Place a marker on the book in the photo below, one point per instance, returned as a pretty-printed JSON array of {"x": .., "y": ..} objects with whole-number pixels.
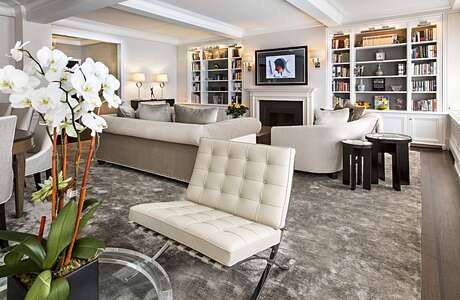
[{"x": 381, "y": 103}]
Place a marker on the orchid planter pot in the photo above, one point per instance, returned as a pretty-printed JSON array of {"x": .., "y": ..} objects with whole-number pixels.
[{"x": 84, "y": 284}]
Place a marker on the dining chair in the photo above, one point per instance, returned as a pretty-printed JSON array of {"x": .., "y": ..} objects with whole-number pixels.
[
  {"x": 24, "y": 116},
  {"x": 40, "y": 160},
  {"x": 7, "y": 129},
  {"x": 5, "y": 109}
]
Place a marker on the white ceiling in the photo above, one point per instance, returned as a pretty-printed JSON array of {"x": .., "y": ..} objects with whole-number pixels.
[
  {"x": 360, "y": 10},
  {"x": 253, "y": 16},
  {"x": 183, "y": 33}
]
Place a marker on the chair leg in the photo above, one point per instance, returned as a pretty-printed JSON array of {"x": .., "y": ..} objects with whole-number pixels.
[
  {"x": 3, "y": 243},
  {"x": 48, "y": 173},
  {"x": 38, "y": 180},
  {"x": 263, "y": 278}
]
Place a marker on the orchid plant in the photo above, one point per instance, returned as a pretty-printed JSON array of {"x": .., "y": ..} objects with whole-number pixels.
[{"x": 68, "y": 101}]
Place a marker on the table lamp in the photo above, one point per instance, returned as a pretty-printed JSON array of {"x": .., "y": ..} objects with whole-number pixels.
[
  {"x": 162, "y": 79},
  {"x": 139, "y": 79}
]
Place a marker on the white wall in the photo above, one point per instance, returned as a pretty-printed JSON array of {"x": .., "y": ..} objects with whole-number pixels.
[
  {"x": 7, "y": 40},
  {"x": 314, "y": 38},
  {"x": 453, "y": 62}
]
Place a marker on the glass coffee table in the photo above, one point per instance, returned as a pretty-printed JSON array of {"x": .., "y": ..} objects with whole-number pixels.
[{"x": 126, "y": 274}]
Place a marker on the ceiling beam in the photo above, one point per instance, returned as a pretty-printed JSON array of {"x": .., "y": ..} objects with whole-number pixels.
[
  {"x": 321, "y": 10},
  {"x": 48, "y": 11},
  {"x": 168, "y": 12},
  {"x": 455, "y": 4},
  {"x": 6, "y": 10}
]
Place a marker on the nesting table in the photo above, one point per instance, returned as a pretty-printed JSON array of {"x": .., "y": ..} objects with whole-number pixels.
[{"x": 357, "y": 160}]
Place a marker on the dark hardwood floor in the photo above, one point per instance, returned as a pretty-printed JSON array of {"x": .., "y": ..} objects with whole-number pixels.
[{"x": 440, "y": 226}]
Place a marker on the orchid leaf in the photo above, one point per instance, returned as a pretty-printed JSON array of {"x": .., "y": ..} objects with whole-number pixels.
[
  {"x": 32, "y": 248},
  {"x": 88, "y": 247},
  {"x": 24, "y": 266},
  {"x": 86, "y": 217},
  {"x": 90, "y": 202},
  {"x": 61, "y": 233},
  {"x": 15, "y": 236},
  {"x": 60, "y": 289},
  {"x": 40, "y": 289},
  {"x": 13, "y": 257}
]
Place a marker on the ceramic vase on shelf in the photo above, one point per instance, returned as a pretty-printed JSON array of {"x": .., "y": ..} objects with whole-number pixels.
[
  {"x": 361, "y": 86},
  {"x": 379, "y": 71}
]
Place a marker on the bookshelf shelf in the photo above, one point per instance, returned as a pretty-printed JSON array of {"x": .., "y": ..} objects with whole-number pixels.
[
  {"x": 340, "y": 49},
  {"x": 383, "y": 76},
  {"x": 382, "y": 46},
  {"x": 381, "y": 92},
  {"x": 380, "y": 61},
  {"x": 339, "y": 77},
  {"x": 424, "y": 59},
  {"x": 423, "y": 43},
  {"x": 341, "y": 64}
]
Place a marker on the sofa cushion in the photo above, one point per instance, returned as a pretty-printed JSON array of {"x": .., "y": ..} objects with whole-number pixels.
[
  {"x": 154, "y": 112},
  {"x": 224, "y": 237},
  {"x": 184, "y": 114},
  {"x": 125, "y": 110},
  {"x": 356, "y": 112},
  {"x": 332, "y": 117}
]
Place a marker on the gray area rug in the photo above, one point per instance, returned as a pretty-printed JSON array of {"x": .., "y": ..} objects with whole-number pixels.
[{"x": 344, "y": 244}]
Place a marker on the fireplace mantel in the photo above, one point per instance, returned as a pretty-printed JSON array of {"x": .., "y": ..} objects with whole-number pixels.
[{"x": 305, "y": 95}]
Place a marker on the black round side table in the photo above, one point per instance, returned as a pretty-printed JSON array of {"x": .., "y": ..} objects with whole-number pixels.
[
  {"x": 398, "y": 146},
  {"x": 357, "y": 158}
]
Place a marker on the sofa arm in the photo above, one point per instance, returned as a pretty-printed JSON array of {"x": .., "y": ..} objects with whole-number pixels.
[{"x": 232, "y": 128}]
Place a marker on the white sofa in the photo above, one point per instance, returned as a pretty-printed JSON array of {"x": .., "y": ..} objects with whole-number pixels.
[{"x": 318, "y": 147}]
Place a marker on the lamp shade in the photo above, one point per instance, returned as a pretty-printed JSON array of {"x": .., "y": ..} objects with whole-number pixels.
[
  {"x": 161, "y": 78},
  {"x": 136, "y": 77}
]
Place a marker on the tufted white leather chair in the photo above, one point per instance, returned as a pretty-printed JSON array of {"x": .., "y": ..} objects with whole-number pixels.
[{"x": 235, "y": 205}]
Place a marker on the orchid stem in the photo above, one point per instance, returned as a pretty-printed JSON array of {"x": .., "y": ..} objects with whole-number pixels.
[{"x": 54, "y": 175}]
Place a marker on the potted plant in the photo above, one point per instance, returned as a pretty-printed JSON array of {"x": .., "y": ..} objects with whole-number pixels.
[
  {"x": 63, "y": 264},
  {"x": 237, "y": 110}
]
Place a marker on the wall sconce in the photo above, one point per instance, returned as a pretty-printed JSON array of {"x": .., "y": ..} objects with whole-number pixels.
[
  {"x": 316, "y": 56},
  {"x": 139, "y": 79},
  {"x": 162, "y": 79},
  {"x": 248, "y": 61}
]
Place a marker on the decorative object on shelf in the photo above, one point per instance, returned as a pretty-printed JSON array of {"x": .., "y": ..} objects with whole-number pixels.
[
  {"x": 396, "y": 88},
  {"x": 152, "y": 94},
  {"x": 378, "y": 84},
  {"x": 43, "y": 267},
  {"x": 162, "y": 79},
  {"x": 283, "y": 66},
  {"x": 398, "y": 104},
  {"x": 216, "y": 66},
  {"x": 379, "y": 71},
  {"x": 361, "y": 86},
  {"x": 237, "y": 110},
  {"x": 401, "y": 69},
  {"x": 248, "y": 61},
  {"x": 380, "y": 55},
  {"x": 362, "y": 103},
  {"x": 381, "y": 102},
  {"x": 316, "y": 56},
  {"x": 359, "y": 71},
  {"x": 139, "y": 79}
]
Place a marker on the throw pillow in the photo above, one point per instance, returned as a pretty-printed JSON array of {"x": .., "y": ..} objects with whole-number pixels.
[
  {"x": 184, "y": 114},
  {"x": 125, "y": 110},
  {"x": 356, "y": 112},
  {"x": 332, "y": 117},
  {"x": 154, "y": 112}
]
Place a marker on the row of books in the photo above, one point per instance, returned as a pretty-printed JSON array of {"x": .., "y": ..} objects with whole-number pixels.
[
  {"x": 424, "y": 51},
  {"x": 340, "y": 57},
  {"x": 196, "y": 66},
  {"x": 196, "y": 87},
  {"x": 379, "y": 40},
  {"x": 340, "y": 86},
  {"x": 340, "y": 43},
  {"x": 236, "y": 64},
  {"x": 428, "y": 34},
  {"x": 237, "y": 86},
  {"x": 425, "y": 68},
  {"x": 339, "y": 101},
  {"x": 236, "y": 99},
  {"x": 237, "y": 75},
  {"x": 196, "y": 98},
  {"x": 340, "y": 71},
  {"x": 425, "y": 105},
  {"x": 424, "y": 85}
]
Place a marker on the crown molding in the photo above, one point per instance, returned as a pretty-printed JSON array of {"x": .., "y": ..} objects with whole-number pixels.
[
  {"x": 6, "y": 10},
  {"x": 321, "y": 10},
  {"x": 93, "y": 26},
  {"x": 312, "y": 24},
  {"x": 161, "y": 10}
]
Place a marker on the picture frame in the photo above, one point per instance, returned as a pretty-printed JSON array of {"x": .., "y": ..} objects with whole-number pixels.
[{"x": 282, "y": 66}]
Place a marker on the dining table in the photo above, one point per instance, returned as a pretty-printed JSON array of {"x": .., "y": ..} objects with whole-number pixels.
[{"x": 23, "y": 143}]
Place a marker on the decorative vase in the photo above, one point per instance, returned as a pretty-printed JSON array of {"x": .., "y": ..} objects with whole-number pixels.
[
  {"x": 83, "y": 282},
  {"x": 379, "y": 71},
  {"x": 361, "y": 86}
]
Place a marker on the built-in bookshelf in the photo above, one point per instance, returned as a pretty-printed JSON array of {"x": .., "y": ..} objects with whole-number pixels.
[
  {"x": 394, "y": 67},
  {"x": 216, "y": 75}
]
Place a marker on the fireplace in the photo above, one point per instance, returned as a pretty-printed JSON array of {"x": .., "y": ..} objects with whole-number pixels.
[{"x": 281, "y": 113}]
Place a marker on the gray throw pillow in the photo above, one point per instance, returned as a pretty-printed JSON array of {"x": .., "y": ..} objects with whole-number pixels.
[
  {"x": 184, "y": 114},
  {"x": 125, "y": 110},
  {"x": 356, "y": 112},
  {"x": 154, "y": 112}
]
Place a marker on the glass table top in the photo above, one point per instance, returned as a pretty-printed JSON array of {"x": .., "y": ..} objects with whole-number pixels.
[
  {"x": 388, "y": 136},
  {"x": 126, "y": 274}
]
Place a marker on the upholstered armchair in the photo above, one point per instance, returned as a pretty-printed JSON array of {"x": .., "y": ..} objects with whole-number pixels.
[
  {"x": 5, "y": 109},
  {"x": 7, "y": 128},
  {"x": 40, "y": 161},
  {"x": 235, "y": 205}
]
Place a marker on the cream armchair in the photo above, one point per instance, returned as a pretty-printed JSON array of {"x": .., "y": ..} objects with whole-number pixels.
[
  {"x": 235, "y": 205},
  {"x": 318, "y": 147},
  {"x": 40, "y": 161}
]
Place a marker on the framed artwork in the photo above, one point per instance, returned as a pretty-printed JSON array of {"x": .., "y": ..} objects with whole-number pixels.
[{"x": 282, "y": 66}]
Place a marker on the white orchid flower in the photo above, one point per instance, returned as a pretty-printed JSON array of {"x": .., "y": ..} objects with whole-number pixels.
[
  {"x": 109, "y": 87},
  {"x": 93, "y": 122},
  {"x": 13, "y": 80},
  {"x": 65, "y": 81},
  {"x": 16, "y": 52},
  {"x": 53, "y": 61},
  {"x": 70, "y": 130},
  {"x": 56, "y": 115},
  {"x": 31, "y": 68},
  {"x": 46, "y": 99},
  {"x": 24, "y": 99},
  {"x": 88, "y": 87},
  {"x": 98, "y": 69}
]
